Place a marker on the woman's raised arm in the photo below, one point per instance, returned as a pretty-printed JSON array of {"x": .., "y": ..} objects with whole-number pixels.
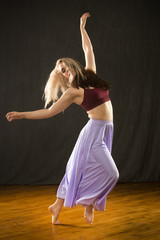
[
  {"x": 65, "y": 101},
  {"x": 87, "y": 45}
]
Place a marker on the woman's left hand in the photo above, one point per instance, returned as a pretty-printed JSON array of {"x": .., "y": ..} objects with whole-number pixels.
[
  {"x": 83, "y": 19},
  {"x": 14, "y": 115}
]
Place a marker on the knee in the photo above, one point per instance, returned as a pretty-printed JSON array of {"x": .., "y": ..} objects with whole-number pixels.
[{"x": 115, "y": 175}]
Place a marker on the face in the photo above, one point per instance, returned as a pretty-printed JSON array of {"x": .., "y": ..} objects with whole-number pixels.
[
  {"x": 62, "y": 68},
  {"x": 66, "y": 72}
]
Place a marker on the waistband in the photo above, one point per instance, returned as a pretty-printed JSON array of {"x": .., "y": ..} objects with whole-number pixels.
[{"x": 101, "y": 121}]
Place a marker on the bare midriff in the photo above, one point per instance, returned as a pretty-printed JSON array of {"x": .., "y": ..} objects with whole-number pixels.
[{"x": 101, "y": 112}]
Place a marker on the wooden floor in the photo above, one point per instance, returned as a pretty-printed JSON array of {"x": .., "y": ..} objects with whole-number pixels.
[{"x": 132, "y": 212}]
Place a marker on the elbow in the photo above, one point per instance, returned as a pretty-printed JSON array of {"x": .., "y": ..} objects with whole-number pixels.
[
  {"x": 51, "y": 113},
  {"x": 87, "y": 49}
]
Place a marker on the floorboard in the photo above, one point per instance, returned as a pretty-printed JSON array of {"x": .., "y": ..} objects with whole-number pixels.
[{"x": 132, "y": 212}]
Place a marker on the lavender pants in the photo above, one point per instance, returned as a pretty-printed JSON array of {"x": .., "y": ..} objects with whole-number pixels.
[{"x": 91, "y": 172}]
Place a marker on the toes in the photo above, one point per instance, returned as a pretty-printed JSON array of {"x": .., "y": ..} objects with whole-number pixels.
[
  {"x": 89, "y": 215},
  {"x": 89, "y": 220},
  {"x": 57, "y": 223}
]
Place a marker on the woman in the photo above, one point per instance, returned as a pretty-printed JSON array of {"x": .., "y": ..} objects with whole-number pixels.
[{"x": 90, "y": 172}]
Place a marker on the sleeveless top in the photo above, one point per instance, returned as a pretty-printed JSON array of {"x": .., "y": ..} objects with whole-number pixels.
[{"x": 94, "y": 97}]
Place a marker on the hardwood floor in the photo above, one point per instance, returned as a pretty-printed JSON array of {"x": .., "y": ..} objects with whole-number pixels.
[{"x": 132, "y": 212}]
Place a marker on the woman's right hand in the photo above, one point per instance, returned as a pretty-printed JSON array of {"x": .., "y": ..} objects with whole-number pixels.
[
  {"x": 14, "y": 115},
  {"x": 83, "y": 19}
]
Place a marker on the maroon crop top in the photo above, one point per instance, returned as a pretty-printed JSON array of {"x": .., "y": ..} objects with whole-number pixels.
[{"x": 94, "y": 97}]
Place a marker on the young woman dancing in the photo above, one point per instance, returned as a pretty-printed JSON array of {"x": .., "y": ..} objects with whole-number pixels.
[{"x": 91, "y": 172}]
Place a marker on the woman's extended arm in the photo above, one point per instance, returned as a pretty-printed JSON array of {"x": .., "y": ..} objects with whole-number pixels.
[
  {"x": 87, "y": 45},
  {"x": 66, "y": 99}
]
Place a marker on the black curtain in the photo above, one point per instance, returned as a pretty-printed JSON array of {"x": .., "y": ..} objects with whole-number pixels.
[{"x": 126, "y": 41}]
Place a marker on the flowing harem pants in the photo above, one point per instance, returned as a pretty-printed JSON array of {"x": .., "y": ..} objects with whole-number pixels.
[{"x": 91, "y": 172}]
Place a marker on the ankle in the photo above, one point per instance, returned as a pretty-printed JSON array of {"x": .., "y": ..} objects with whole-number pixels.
[{"x": 59, "y": 203}]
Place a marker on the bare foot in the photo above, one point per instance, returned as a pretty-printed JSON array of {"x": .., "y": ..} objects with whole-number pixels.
[
  {"x": 89, "y": 214},
  {"x": 55, "y": 210}
]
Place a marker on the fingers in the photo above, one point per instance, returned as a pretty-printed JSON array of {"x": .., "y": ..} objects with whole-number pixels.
[
  {"x": 84, "y": 18},
  {"x": 10, "y": 116},
  {"x": 85, "y": 15},
  {"x": 8, "y": 113}
]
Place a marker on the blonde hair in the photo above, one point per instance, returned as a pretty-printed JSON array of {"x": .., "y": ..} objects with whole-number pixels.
[
  {"x": 80, "y": 77},
  {"x": 57, "y": 83}
]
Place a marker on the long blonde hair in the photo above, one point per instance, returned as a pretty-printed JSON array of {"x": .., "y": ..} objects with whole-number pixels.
[{"x": 57, "y": 83}]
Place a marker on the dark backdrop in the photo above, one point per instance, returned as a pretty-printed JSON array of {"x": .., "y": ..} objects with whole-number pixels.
[{"x": 126, "y": 39}]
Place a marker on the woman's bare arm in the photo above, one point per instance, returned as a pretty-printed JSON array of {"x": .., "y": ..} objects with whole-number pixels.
[
  {"x": 65, "y": 101},
  {"x": 87, "y": 45}
]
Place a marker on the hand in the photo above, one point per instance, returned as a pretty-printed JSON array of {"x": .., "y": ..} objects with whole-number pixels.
[
  {"x": 83, "y": 19},
  {"x": 13, "y": 115}
]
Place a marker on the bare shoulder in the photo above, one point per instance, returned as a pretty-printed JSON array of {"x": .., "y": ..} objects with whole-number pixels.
[
  {"x": 92, "y": 69},
  {"x": 75, "y": 92}
]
